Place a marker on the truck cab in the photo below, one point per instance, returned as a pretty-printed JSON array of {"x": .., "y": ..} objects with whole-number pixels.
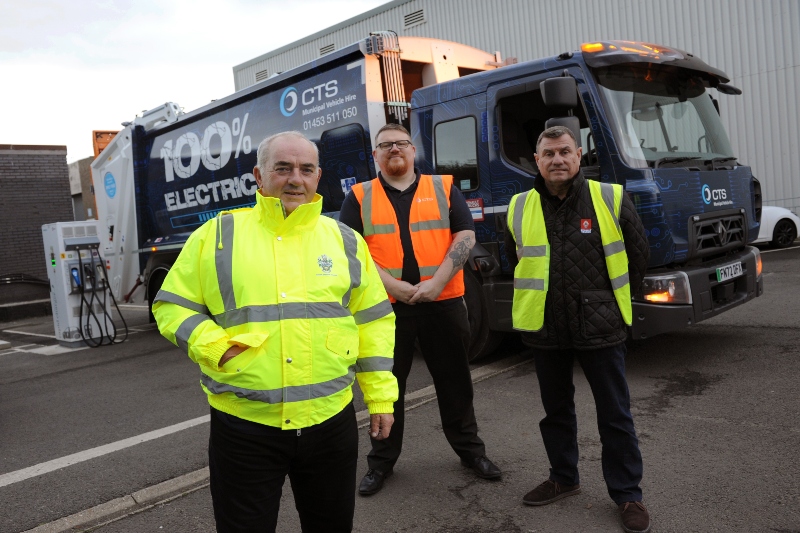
[{"x": 646, "y": 120}]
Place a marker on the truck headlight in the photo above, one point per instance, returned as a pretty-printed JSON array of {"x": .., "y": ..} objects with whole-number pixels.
[{"x": 665, "y": 289}]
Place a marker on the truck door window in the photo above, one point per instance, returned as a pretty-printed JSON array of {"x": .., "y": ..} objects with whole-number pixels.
[
  {"x": 457, "y": 151},
  {"x": 522, "y": 118}
]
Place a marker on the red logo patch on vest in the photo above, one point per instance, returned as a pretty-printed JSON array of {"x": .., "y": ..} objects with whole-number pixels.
[{"x": 586, "y": 225}]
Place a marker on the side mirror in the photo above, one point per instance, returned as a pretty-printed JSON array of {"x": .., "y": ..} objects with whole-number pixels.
[
  {"x": 560, "y": 92},
  {"x": 724, "y": 88}
]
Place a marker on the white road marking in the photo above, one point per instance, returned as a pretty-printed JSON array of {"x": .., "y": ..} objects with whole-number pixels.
[
  {"x": 17, "y": 332},
  {"x": 781, "y": 250},
  {"x": 62, "y": 462},
  {"x": 478, "y": 374}
]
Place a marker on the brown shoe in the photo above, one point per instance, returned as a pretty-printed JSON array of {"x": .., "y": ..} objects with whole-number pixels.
[
  {"x": 635, "y": 518},
  {"x": 550, "y": 491}
]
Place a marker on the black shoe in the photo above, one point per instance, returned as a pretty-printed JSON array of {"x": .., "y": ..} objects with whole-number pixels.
[
  {"x": 482, "y": 467},
  {"x": 549, "y": 492},
  {"x": 373, "y": 481}
]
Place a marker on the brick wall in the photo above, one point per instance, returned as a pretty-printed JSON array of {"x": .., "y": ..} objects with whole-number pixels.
[{"x": 34, "y": 190}]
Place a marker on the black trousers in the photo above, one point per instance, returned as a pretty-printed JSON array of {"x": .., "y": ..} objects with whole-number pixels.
[
  {"x": 443, "y": 340},
  {"x": 604, "y": 369},
  {"x": 248, "y": 470}
]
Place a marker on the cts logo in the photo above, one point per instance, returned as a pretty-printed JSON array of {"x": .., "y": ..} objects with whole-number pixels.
[
  {"x": 716, "y": 195},
  {"x": 289, "y": 101}
]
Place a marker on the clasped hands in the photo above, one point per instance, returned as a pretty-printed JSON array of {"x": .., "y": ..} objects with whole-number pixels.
[{"x": 424, "y": 291}]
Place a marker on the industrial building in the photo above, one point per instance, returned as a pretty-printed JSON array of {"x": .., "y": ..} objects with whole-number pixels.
[{"x": 756, "y": 43}]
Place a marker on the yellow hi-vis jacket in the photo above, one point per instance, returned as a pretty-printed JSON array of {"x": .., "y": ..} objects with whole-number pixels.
[
  {"x": 532, "y": 273},
  {"x": 302, "y": 294}
]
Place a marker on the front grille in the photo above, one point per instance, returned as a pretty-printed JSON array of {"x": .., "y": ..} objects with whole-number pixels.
[{"x": 718, "y": 234}]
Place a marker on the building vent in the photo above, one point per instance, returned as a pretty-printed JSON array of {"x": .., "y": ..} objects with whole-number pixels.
[
  {"x": 262, "y": 75},
  {"x": 413, "y": 19},
  {"x": 327, "y": 49}
]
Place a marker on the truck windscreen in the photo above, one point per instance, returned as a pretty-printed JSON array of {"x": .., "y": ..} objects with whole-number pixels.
[{"x": 661, "y": 115}]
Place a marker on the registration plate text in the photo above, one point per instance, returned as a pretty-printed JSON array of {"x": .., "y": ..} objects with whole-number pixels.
[{"x": 734, "y": 270}]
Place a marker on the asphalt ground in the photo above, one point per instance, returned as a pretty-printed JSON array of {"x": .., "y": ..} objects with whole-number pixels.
[{"x": 715, "y": 407}]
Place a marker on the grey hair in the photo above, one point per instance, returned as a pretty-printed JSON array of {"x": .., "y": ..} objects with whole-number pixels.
[
  {"x": 263, "y": 153},
  {"x": 554, "y": 133}
]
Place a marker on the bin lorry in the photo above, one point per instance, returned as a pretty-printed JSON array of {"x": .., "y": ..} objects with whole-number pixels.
[{"x": 645, "y": 116}]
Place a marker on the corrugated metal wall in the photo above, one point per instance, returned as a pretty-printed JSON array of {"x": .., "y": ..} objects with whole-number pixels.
[{"x": 756, "y": 43}]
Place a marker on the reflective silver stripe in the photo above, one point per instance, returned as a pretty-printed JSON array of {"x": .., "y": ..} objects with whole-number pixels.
[
  {"x": 533, "y": 251},
  {"x": 366, "y": 209},
  {"x": 607, "y": 191},
  {"x": 271, "y": 313},
  {"x": 373, "y": 313},
  {"x": 519, "y": 207},
  {"x": 366, "y": 215},
  {"x": 223, "y": 259},
  {"x": 165, "y": 296},
  {"x": 374, "y": 364},
  {"x": 296, "y": 393},
  {"x": 613, "y": 248},
  {"x": 620, "y": 281},
  {"x": 353, "y": 263},
  {"x": 394, "y": 272},
  {"x": 430, "y": 224},
  {"x": 444, "y": 212},
  {"x": 428, "y": 271},
  {"x": 186, "y": 329},
  {"x": 441, "y": 198},
  {"x": 534, "y": 284},
  {"x": 382, "y": 229}
]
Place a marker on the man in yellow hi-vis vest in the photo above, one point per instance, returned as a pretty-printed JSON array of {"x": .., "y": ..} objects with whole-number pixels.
[
  {"x": 579, "y": 250},
  {"x": 282, "y": 309}
]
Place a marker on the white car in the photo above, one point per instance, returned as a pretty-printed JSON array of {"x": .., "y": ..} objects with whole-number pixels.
[{"x": 779, "y": 226}]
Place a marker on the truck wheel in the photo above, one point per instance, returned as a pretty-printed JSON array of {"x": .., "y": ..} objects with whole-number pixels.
[
  {"x": 784, "y": 234},
  {"x": 153, "y": 286},
  {"x": 482, "y": 340}
]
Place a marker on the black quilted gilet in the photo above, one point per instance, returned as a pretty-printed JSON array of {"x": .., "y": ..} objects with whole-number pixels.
[{"x": 581, "y": 311}]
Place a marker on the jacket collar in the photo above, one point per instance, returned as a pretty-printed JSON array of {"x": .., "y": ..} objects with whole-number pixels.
[
  {"x": 577, "y": 183},
  {"x": 271, "y": 212}
]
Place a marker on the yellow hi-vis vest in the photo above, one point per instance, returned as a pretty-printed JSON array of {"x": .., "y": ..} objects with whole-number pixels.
[
  {"x": 302, "y": 294},
  {"x": 532, "y": 274}
]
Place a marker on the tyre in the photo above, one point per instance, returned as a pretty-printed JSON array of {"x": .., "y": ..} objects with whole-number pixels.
[
  {"x": 482, "y": 340},
  {"x": 784, "y": 234},
  {"x": 157, "y": 278}
]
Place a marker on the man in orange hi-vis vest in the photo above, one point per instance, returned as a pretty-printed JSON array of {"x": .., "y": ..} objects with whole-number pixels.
[{"x": 419, "y": 231}]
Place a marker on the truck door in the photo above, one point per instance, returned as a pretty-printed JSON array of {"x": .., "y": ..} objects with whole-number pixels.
[{"x": 516, "y": 116}]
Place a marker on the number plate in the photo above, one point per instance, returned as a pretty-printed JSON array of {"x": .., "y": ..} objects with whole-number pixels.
[{"x": 734, "y": 270}]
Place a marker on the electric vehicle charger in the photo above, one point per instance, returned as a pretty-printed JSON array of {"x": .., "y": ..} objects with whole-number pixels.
[{"x": 97, "y": 282}]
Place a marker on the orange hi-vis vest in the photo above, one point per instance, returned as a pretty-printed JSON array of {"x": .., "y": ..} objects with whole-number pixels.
[{"x": 429, "y": 224}]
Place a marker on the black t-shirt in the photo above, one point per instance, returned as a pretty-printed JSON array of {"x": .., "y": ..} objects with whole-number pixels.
[{"x": 460, "y": 220}]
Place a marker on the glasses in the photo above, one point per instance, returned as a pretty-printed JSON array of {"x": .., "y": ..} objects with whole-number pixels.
[{"x": 402, "y": 145}]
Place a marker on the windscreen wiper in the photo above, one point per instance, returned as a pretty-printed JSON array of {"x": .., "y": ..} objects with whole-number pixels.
[
  {"x": 717, "y": 160},
  {"x": 658, "y": 162}
]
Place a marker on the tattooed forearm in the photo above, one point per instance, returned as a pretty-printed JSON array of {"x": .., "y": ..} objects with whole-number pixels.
[{"x": 459, "y": 253}]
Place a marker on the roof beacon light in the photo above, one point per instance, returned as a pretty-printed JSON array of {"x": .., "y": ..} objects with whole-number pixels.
[{"x": 592, "y": 47}]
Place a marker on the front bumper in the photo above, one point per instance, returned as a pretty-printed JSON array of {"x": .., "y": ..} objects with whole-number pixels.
[{"x": 709, "y": 297}]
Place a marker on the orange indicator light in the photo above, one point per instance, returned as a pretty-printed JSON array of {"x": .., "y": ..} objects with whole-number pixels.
[{"x": 592, "y": 47}]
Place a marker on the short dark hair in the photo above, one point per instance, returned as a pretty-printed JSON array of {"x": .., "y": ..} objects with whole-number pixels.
[
  {"x": 554, "y": 133},
  {"x": 392, "y": 126}
]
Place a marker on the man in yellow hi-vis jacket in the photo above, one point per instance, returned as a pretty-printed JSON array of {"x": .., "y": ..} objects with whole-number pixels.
[
  {"x": 579, "y": 251},
  {"x": 282, "y": 309}
]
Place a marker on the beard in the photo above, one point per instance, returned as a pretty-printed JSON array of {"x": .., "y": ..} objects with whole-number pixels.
[{"x": 396, "y": 167}]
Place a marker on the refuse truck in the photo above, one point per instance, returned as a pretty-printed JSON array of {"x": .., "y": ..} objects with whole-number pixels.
[{"x": 646, "y": 117}]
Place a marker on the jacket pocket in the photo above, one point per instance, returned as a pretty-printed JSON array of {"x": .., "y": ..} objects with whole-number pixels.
[
  {"x": 254, "y": 343},
  {"x": 600, "y": 314},
  {"x": 344, "y": 343}
]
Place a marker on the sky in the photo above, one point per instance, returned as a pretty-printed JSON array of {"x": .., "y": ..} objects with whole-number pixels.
[{"x": 70, "y": 67}]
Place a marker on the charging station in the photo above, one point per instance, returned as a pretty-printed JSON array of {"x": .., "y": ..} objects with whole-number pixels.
[{"x": 79, "y": 290}]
